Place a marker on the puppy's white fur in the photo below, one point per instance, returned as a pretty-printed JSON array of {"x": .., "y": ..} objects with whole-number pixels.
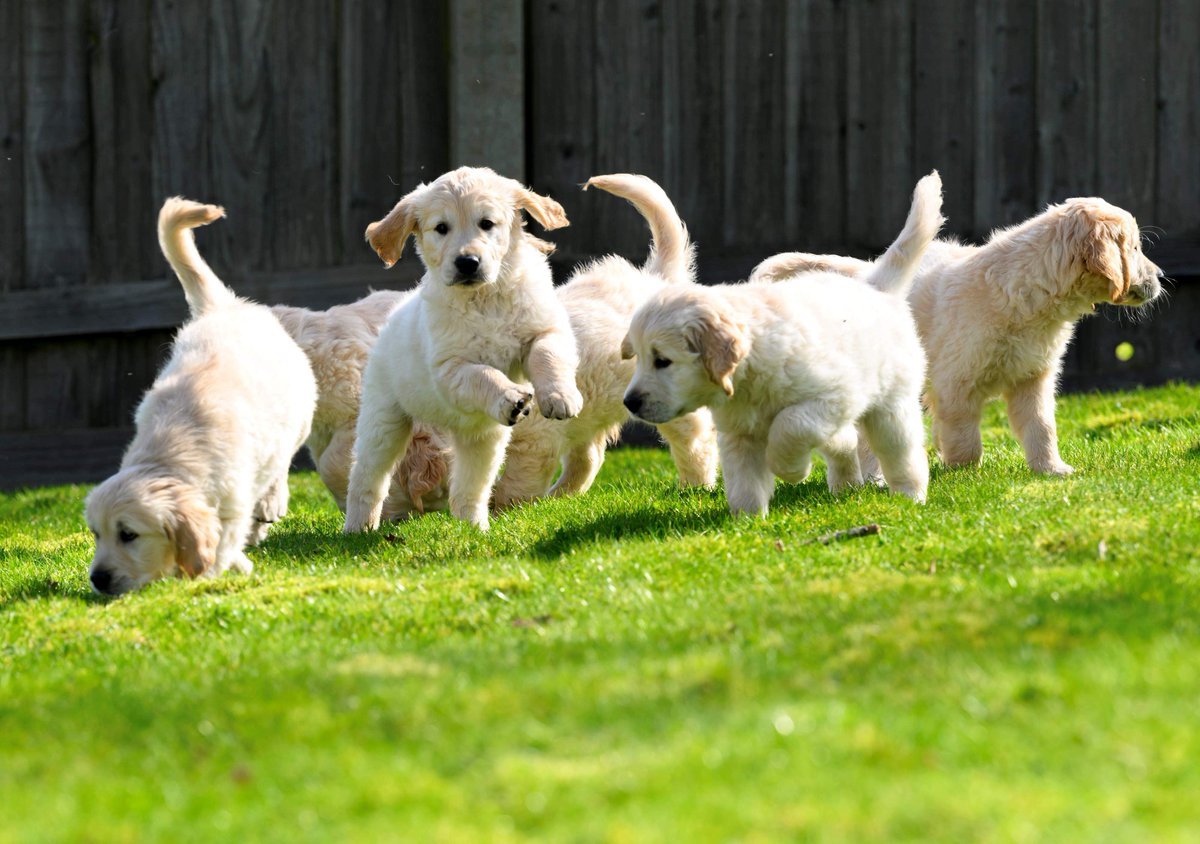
[
  {"x": 793, "y": 366},
  {"x": 995, "y": 320},
  {"x": 206, "y": 472},
  {"x": 337, "y": 342},
  {"x": 600, "y": 299},
  {"x": 485, "y": 314}
]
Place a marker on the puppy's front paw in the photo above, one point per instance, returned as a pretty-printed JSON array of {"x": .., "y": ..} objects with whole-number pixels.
[
  {"x": 560, "y": 404},
  {"x": 241, "y": 564},
  {"x": 1058, "y": 468},
  {"x": 513, "y": 406}
]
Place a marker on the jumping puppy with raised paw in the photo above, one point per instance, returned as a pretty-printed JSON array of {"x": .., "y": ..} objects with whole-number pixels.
[{"x": 484, "y": 318}]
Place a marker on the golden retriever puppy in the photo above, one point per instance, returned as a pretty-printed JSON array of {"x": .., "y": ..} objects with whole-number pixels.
[
  {"x": 207, "y": 470},
  {"x": 995, "y": 320},
  {"x": 600, "y": 299},
  {"x": 484, "y": 315},
  {"x": 337, "y": 342},
  {"x": 794, "y": 366}
]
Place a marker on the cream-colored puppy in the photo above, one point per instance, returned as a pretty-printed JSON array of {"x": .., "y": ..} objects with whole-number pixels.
[
  {"x": 485, "y": 314},
  {"x": 794, "y": 366},
  {"x": 207, "y": 470},
  {"x": 995, "y": 320},
  {"x": 337, "y": 342},
  {"x": 600, "y": 299}
]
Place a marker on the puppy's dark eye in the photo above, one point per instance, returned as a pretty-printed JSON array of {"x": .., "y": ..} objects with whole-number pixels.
[
  {"x": 486, "y": 225},
  {"x": 661, "y": 363},
  {"x": 126, "y": 535},
  {"x": 442, "y": 228}
]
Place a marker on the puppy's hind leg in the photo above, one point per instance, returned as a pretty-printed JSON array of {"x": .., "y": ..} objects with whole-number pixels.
[
  {"x": 1031, "y": 414},
  {"x": 580, "y": 465},
  {"x": 956, "y": 422},
  {"x": 528, "y": 466},
  {"x": 897, "y": 436},
  {"x": 749, "y": 484},
  {"x": 799, "y": 429},
  {"x": 334, "y": 465},
  {"x": 693, "y": 442},
  {"x": 477, "y": 458},
  {"x": 382, "y": 436}
]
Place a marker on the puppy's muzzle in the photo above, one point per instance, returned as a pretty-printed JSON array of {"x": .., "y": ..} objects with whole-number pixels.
[
  {"x": 1144, "y": 291},
  {"x": 468, "y": 269},
  {"x": 102, "y": 581},
  {"x": 634, "y": 402}
]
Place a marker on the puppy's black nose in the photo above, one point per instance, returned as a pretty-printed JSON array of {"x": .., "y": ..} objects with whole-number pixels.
[
  {"x": 102, "y": 579},
  {"x": 468, "y": 265},
  {"x": 633, "y": 403}
]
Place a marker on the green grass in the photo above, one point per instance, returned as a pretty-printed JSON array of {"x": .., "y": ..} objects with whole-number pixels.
[{"x": 635, "y": 665}]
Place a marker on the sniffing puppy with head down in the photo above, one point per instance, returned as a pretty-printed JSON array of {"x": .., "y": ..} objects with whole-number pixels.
[
  {"x": 207, "y": 470},
  {"x": 484, "y": 316},
  {"x": 600, "y": 299},
  {"x": 995, "y": 320},
  {"x": 794, "y": 366}
]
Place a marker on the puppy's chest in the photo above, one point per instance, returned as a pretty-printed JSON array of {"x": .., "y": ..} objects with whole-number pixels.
[{"x": 1020, "y": 356}]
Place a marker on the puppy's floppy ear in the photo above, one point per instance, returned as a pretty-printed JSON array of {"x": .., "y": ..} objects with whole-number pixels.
[
  {"x": 193, "y": 527},
  {"x": 1105, "y": 252},
  {"x": 721, "y": 344},
  {"x": 626, "y": 348},
  {"x": 388, "y": 236},
  {"x": 544, "y": 246},
  {"x": 542, "y": 208}
]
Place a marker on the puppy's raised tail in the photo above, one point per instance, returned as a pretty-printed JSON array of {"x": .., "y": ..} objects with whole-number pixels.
[
  {"x": 895, "y": 269},
  {"x": 204, "y": 291},
  {"x": 671, "y": 254}
]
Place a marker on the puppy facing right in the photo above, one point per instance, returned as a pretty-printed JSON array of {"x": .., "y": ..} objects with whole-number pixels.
[
  {"x": 484, "y": 314},
  {"x": 995, "y": 320},
  {"x": 793, "y": 366}
]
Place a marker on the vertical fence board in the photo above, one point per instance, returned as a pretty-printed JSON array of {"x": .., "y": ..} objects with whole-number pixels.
[
  {"x": 562, "y": 151},
  {"x": 123, "y": 206},
  {"x": 1178, "y": 205},
  {"x": 243, "y": 107},
  {"x": 944, "y": 104},
  {"x": 424, "y": 110},
  {"x": 879, "y": 110},
  {"x": 13, "y": 400},
  {"x": 57, "y": 152},
  {"x": 629, "y": 48},
  {"x": 1066, "y": 99},
  {"x": 12, "y": 149}
]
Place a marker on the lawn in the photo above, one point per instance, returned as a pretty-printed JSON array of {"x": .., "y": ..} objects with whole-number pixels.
[{"x": 1019, "y": 660}]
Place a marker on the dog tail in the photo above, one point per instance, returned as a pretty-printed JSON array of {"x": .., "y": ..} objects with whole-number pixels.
[
  {"x": 787, "y": 264},
  {"x": 895, "y": 269},
  {"x": 204, "y": 291},
  {"x": 671, "y": 253}
]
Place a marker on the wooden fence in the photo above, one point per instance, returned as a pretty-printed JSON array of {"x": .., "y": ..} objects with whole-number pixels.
[{"x": 775, "y": 124}]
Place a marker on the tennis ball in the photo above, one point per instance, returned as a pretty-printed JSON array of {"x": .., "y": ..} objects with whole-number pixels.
[{"x": 1124, "y": 351}]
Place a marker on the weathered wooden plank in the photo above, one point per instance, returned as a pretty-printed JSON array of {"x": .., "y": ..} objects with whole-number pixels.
[
  {"x": 424, "y": 91},
  {"x": 303, "y": 228},
  {"x": 12, "y": 387},
  {"x": 1005, "y": 139},
  {"x": 123, "y": 204},
  {"x": 181, "y": 164},
  {"x": 242, "y": 107},
  {"x": 1178, "y": 200},
  {"x": 1066, "y": 100},
  {"x": 944, "y": 104},
  {"x": 12, "y": 147},
  {"x": 141, "y": 305},
  {"x": 1127, "y": 114},
  {"x": 629, "y": 109},
  {"x": 820, "y": 145},
  {"x": 58, "y": 375},
  {"x": 57, "y": 155},
  {"x": 43, "y": 458},
  {"x": 879, "y": 111},
  {"x": 487, "y": 85},
  {"x": 693, "y": 121},
  {"x": 756, "y": 143}
]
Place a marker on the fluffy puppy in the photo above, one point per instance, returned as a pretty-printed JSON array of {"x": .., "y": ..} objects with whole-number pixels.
[
  {"x": 600, "y": 299},
  {"x": 995, "y": 320},
  {"x": 337, "y": 342},
  {"x": 794, "y": 366},
  {"x": 484, "y": 314},
  {"x": 207, "y": 470}
]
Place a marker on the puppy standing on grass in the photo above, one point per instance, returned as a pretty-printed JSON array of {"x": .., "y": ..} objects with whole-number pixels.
[
  {"x": 207, "y": 470},
  {"x": 793, "y": 366},
  {"x": 995, "y": 320},
  {"x": 484, "y": 315},
  {"x": 600, "y": 300}
]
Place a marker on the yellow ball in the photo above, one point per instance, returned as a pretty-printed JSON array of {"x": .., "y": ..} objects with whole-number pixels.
[{"x": 1124, "y": 351}]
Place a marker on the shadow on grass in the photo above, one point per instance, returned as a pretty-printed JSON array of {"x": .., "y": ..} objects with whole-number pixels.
[{"x": 36, "y": 588}]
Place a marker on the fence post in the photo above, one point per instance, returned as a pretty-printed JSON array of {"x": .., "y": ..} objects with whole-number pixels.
[{"x": 487, "y": 85}]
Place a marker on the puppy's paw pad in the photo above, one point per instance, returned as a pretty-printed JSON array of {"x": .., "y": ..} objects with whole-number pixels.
[
  {"x": 560, "y": 404},
  {"x": 514, "y": 405}
]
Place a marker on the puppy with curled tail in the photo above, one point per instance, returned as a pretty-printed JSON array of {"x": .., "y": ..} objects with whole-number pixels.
[
  {"x": 206, "y": 472},
  {"x": 794, "y": 366}
]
